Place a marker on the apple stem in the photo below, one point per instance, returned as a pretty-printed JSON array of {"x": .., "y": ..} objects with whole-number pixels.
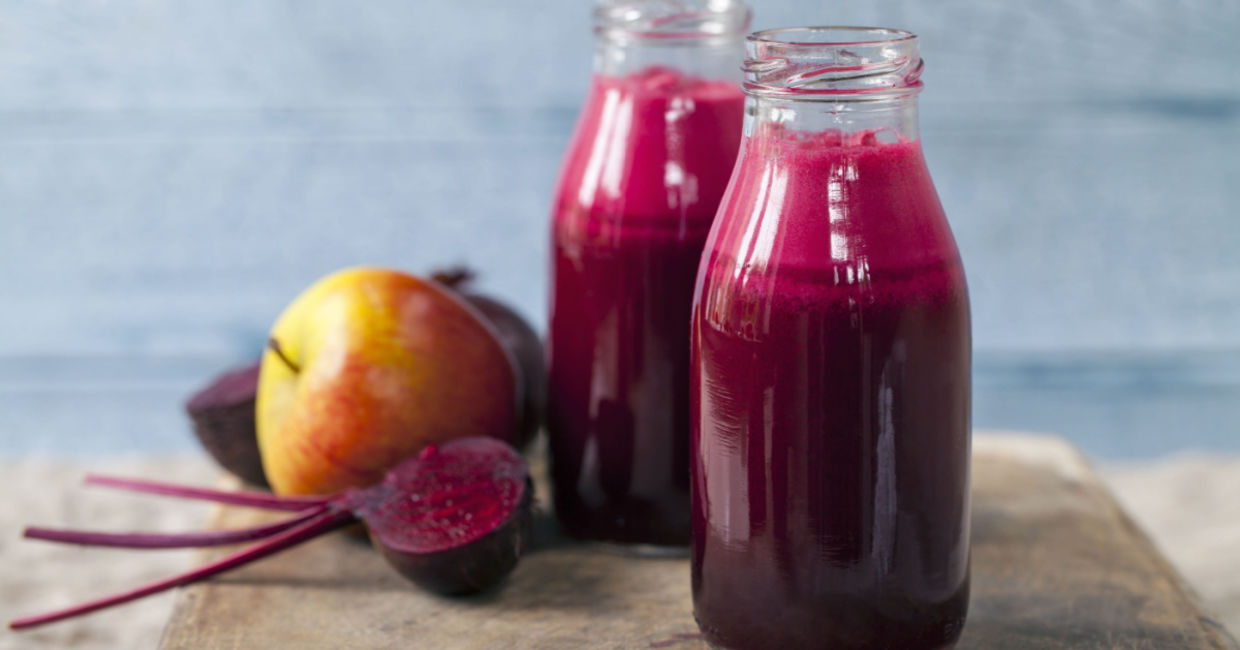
[
  {"x": 313, "y": 527},
  {"x": 251, "y": 499},
  {"x": 274, "y": 345},
  {"x": 171, "y": 540}
]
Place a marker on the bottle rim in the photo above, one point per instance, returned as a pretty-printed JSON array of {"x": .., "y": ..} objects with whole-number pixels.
[
  {"x": 672, "y": 22},
  {"x": 836, "y": 63},
  {"x": 893, "y": 35}
]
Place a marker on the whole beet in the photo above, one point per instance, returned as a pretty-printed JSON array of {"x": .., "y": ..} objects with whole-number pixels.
[{"x": 519, "y": 337}]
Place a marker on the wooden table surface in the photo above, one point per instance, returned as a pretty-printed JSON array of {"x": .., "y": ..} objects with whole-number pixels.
[{"x": 1056, "y": 564}]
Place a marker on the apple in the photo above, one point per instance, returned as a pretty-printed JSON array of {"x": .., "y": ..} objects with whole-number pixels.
[{"x": 367, "y": 367}]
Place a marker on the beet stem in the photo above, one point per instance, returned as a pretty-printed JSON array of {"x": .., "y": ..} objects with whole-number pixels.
[
  {"x": 322, "y": 523},
  {"x": 170, "y": 540},
  {"x": 251, "y": 499},
  {"x": 454, "y": 278}
]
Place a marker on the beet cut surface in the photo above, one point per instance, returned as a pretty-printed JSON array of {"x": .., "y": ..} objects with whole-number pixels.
[
  {"x": 446, "y": 519},
  {"x": 454, "y": 519}
]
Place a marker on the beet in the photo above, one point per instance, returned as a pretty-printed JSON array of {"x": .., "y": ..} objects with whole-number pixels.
[
  {"x": 427, "y": 515},
  {"x": 223, "y": 416},
  {"x": 454, "y": 519},
  {"x": 519, "y": 338},
  {"x": 524, "y": 344}
]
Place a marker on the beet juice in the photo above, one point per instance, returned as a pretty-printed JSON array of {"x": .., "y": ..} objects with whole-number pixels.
[
  {"x": 642, "y": 179},
  {"x": 831, "y": 359}
]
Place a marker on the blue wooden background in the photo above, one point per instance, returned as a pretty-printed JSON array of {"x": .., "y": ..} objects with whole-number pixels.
[{"x": 172, "y": 173}]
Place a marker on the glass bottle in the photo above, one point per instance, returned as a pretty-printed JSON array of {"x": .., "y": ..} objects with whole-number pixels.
[
  {"x": 831, "y": 358},
  {"x": 641, "y": 181}
]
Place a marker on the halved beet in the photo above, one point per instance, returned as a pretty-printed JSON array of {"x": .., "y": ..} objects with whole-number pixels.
[
  {"x": 223, "y": 417},
  {"x": 454, "y": 519}
]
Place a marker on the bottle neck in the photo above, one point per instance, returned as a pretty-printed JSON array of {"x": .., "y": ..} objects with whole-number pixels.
[
  {"x": 701, "y": 38},
  {"x": 859, "y": 82},
  {"x": 858, "y": 122},
  {"x": 713, "y": 58}
]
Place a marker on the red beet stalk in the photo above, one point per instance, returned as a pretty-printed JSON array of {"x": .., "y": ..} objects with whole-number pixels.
[
  {"x": 313, "y": 527},
  {"x": 170, "y": 540},
  {"x": 241, "y": 498}
]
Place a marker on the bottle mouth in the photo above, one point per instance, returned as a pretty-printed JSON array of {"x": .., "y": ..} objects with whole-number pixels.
[
  {"x": 671, "y": 21},
  {"x": 833, "y": 63}
]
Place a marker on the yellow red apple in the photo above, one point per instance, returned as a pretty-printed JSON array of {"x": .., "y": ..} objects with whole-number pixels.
[{"x": 367, "y": 367}]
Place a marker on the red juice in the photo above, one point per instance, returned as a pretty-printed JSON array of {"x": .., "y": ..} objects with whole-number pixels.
[
  {"x": 831, "y": 401},
  {"x": 642, "y": 180}
]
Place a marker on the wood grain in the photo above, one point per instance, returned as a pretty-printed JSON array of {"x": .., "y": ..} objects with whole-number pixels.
[{"x": 1056, "y": 564}]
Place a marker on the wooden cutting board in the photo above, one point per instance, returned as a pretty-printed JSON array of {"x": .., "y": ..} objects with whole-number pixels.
[{"x": 1056, "y": 564}]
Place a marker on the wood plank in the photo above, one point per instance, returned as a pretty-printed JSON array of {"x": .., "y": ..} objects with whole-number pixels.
[{"x": 1057, "y": 564}]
